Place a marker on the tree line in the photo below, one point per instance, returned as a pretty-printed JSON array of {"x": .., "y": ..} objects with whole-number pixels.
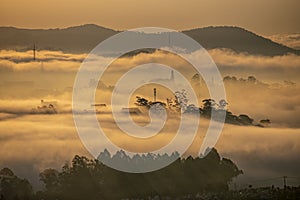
[
  {"x": 86, "y": 178},
  {"x": 180, "y": 103}
]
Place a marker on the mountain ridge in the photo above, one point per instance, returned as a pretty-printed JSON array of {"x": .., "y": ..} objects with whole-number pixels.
[
  {"x": 238, "y": 39},
  {"x": 83, "y": 38}
]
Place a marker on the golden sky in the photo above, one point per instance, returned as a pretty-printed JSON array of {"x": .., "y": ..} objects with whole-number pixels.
[{"x": 261, "y": 16}]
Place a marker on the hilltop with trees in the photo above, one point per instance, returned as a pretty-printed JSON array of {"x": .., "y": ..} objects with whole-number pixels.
[{"x": 180, "y": 103}]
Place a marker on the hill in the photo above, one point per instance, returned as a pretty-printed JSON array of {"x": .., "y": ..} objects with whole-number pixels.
[
  {"x": 237, "y": 39},
  {"x": 82, "y": 39},
  {"x": 78, "y": 39}
]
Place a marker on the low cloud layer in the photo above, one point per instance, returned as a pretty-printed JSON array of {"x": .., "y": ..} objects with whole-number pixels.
[
  {"x": 262, "y": 154},
  {"x": 228, "y": 62},
  {"x": 285, "y": 67},
  {"x": 22, "y": 90},
  {"x": 242, "y": 60},
  {"x": 42, "y": 56},
  {"x": 29, "y": 144},
  {"x": 32, "y": 142}
]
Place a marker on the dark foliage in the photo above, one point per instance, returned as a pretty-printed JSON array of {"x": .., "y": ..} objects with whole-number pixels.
[
  {"x": 90, "y": 179},
  {"x": 180, "y": 103},
  {"x": 14, "y": 188}
]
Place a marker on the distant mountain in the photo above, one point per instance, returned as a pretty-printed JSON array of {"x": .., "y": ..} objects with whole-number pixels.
[
  {"x": 237, "y": 39},
  {"x": 82, "y": 39},
  {"x": 78, "y": 39}
]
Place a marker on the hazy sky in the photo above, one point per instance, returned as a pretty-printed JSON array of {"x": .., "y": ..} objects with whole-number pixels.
[{"x": 262, "y": 16}]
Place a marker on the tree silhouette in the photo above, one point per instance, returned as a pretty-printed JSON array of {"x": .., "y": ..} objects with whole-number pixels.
[
  {"x": 222, "y": 104},
  {"x": 90, "y": 179},
  {"x": 140, "y": 101},
  {"x": 180, "y": 104},
  {"x": 12, "y": 187}
]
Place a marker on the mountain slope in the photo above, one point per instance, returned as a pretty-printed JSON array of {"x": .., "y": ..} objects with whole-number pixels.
[
  {"x": 74, "y": 39},
  {"x": 82, "y": 39},
  {"x": 237, "y": 39}
]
